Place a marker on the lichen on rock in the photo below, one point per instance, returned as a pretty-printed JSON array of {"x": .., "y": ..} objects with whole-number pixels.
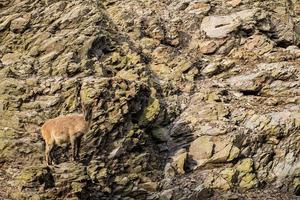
[{"x": 192, "y": 99}]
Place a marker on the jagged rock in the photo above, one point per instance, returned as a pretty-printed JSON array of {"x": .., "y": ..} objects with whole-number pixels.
[
  {"x": 245, "y": 166},
  {"x": 201, "y": 149},
  {"x": 19, "y": 25},
  {"x": 169, "y": 171},
  {"x": 256, "y": 81},
  {"x": 151, "y": 111},
  {"x": 164, "y": 75},
  {"x": 166, "y": 195},
  {"x": 72, "y": 177},
  {"x": 221, "y": 26},
  {"x": 149, "y": 43},
  {"x": 97, "y": 171},
  {"x": 198, "y": 7},
  {"x": 39, "y": 178},
  {"x": 149, "y": 186},
  {"x": 229, "y": 174},
  {"x": 121, "y": 180},
  {"x": 5, "y": 22},
  {"x": 221, "y": 183},
  {"x": 210, "y": 46},
  {"x": 234, "y": 3},
  {"x": 248, "y": 181},
  {"x": 211, "y": 69},
  {"x": 160, "y": 133},
  {"x": 11, "y": 58},
  {"x": 222, "y": 151},
  {"x": 258, "y": 44},
  {"x": 234, "y": 153},
  {"x": 294, "y": 185},
  {"x": 179, "y": 160},
  {"x": 127, "y": 75}
]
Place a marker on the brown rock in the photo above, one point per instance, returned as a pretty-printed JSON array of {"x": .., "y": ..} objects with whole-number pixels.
[
  {"x": 178, "y": 161},
  {"x": 201, "y": 149},
  {"x": 149, "y": 186},
  {"x": 19, "y": 25}
]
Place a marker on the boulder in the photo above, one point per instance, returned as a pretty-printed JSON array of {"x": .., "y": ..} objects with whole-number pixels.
[
  {"x": 179, "y": 160},
  {"x": 201, "y": 150},
  {"x": 19, "y": 25},
  {"x": 222, "y": 26}
]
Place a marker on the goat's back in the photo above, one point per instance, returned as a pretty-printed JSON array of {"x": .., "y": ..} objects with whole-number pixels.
[{"x": 63, "y": 127}]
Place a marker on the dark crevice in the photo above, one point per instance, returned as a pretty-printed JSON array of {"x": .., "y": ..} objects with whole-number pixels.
[
  {"x": 283, "y": 44},
  {"x": 251, "y": 92}
]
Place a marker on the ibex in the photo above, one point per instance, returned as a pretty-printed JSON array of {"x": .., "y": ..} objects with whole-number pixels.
[{"x": 66, "y": 129}]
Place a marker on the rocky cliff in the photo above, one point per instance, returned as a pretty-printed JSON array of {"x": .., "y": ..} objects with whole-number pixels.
[{"x": 194, "y": 99}]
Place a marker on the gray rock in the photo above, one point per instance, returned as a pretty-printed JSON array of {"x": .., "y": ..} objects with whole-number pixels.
[{"x": 221, "y": 26}]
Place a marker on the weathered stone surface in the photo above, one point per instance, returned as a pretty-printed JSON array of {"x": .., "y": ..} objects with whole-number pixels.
[
  {"x": 179, "y": 161},
  {"x": 248, "y": 181},
  {"x": 150, "y": 186},
  {"x": 160, "y": 133},
  {"x": 198, "y": 7},
  {"x": 221, "y": 26},
  {"x": 245, "y": 166},
  {"x": 201, "y": 149},
  {"x": 31, "y": 182},
  {"x": 166, "y": 195},
  {"x": 190, "y": 96},
  {"x": 151, "y": 111},
  {"x": 19, "y": 25}
]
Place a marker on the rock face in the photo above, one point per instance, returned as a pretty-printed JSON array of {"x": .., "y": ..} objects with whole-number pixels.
[{"x": 192, "y": 98}]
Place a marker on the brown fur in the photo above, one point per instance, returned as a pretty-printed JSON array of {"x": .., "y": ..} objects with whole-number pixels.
[{"x": 66, "y": 129}]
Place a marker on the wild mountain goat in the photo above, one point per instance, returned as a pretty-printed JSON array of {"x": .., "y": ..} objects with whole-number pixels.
[{"x": 66, "y": 129}]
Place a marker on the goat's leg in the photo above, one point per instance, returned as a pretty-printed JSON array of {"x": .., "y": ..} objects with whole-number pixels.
[
  {"x": 73, "y": 147},
  {"x": 78, "y": 141},
  {"x": 49, "y": 147},
  {"x": 47, "y": 155}
]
